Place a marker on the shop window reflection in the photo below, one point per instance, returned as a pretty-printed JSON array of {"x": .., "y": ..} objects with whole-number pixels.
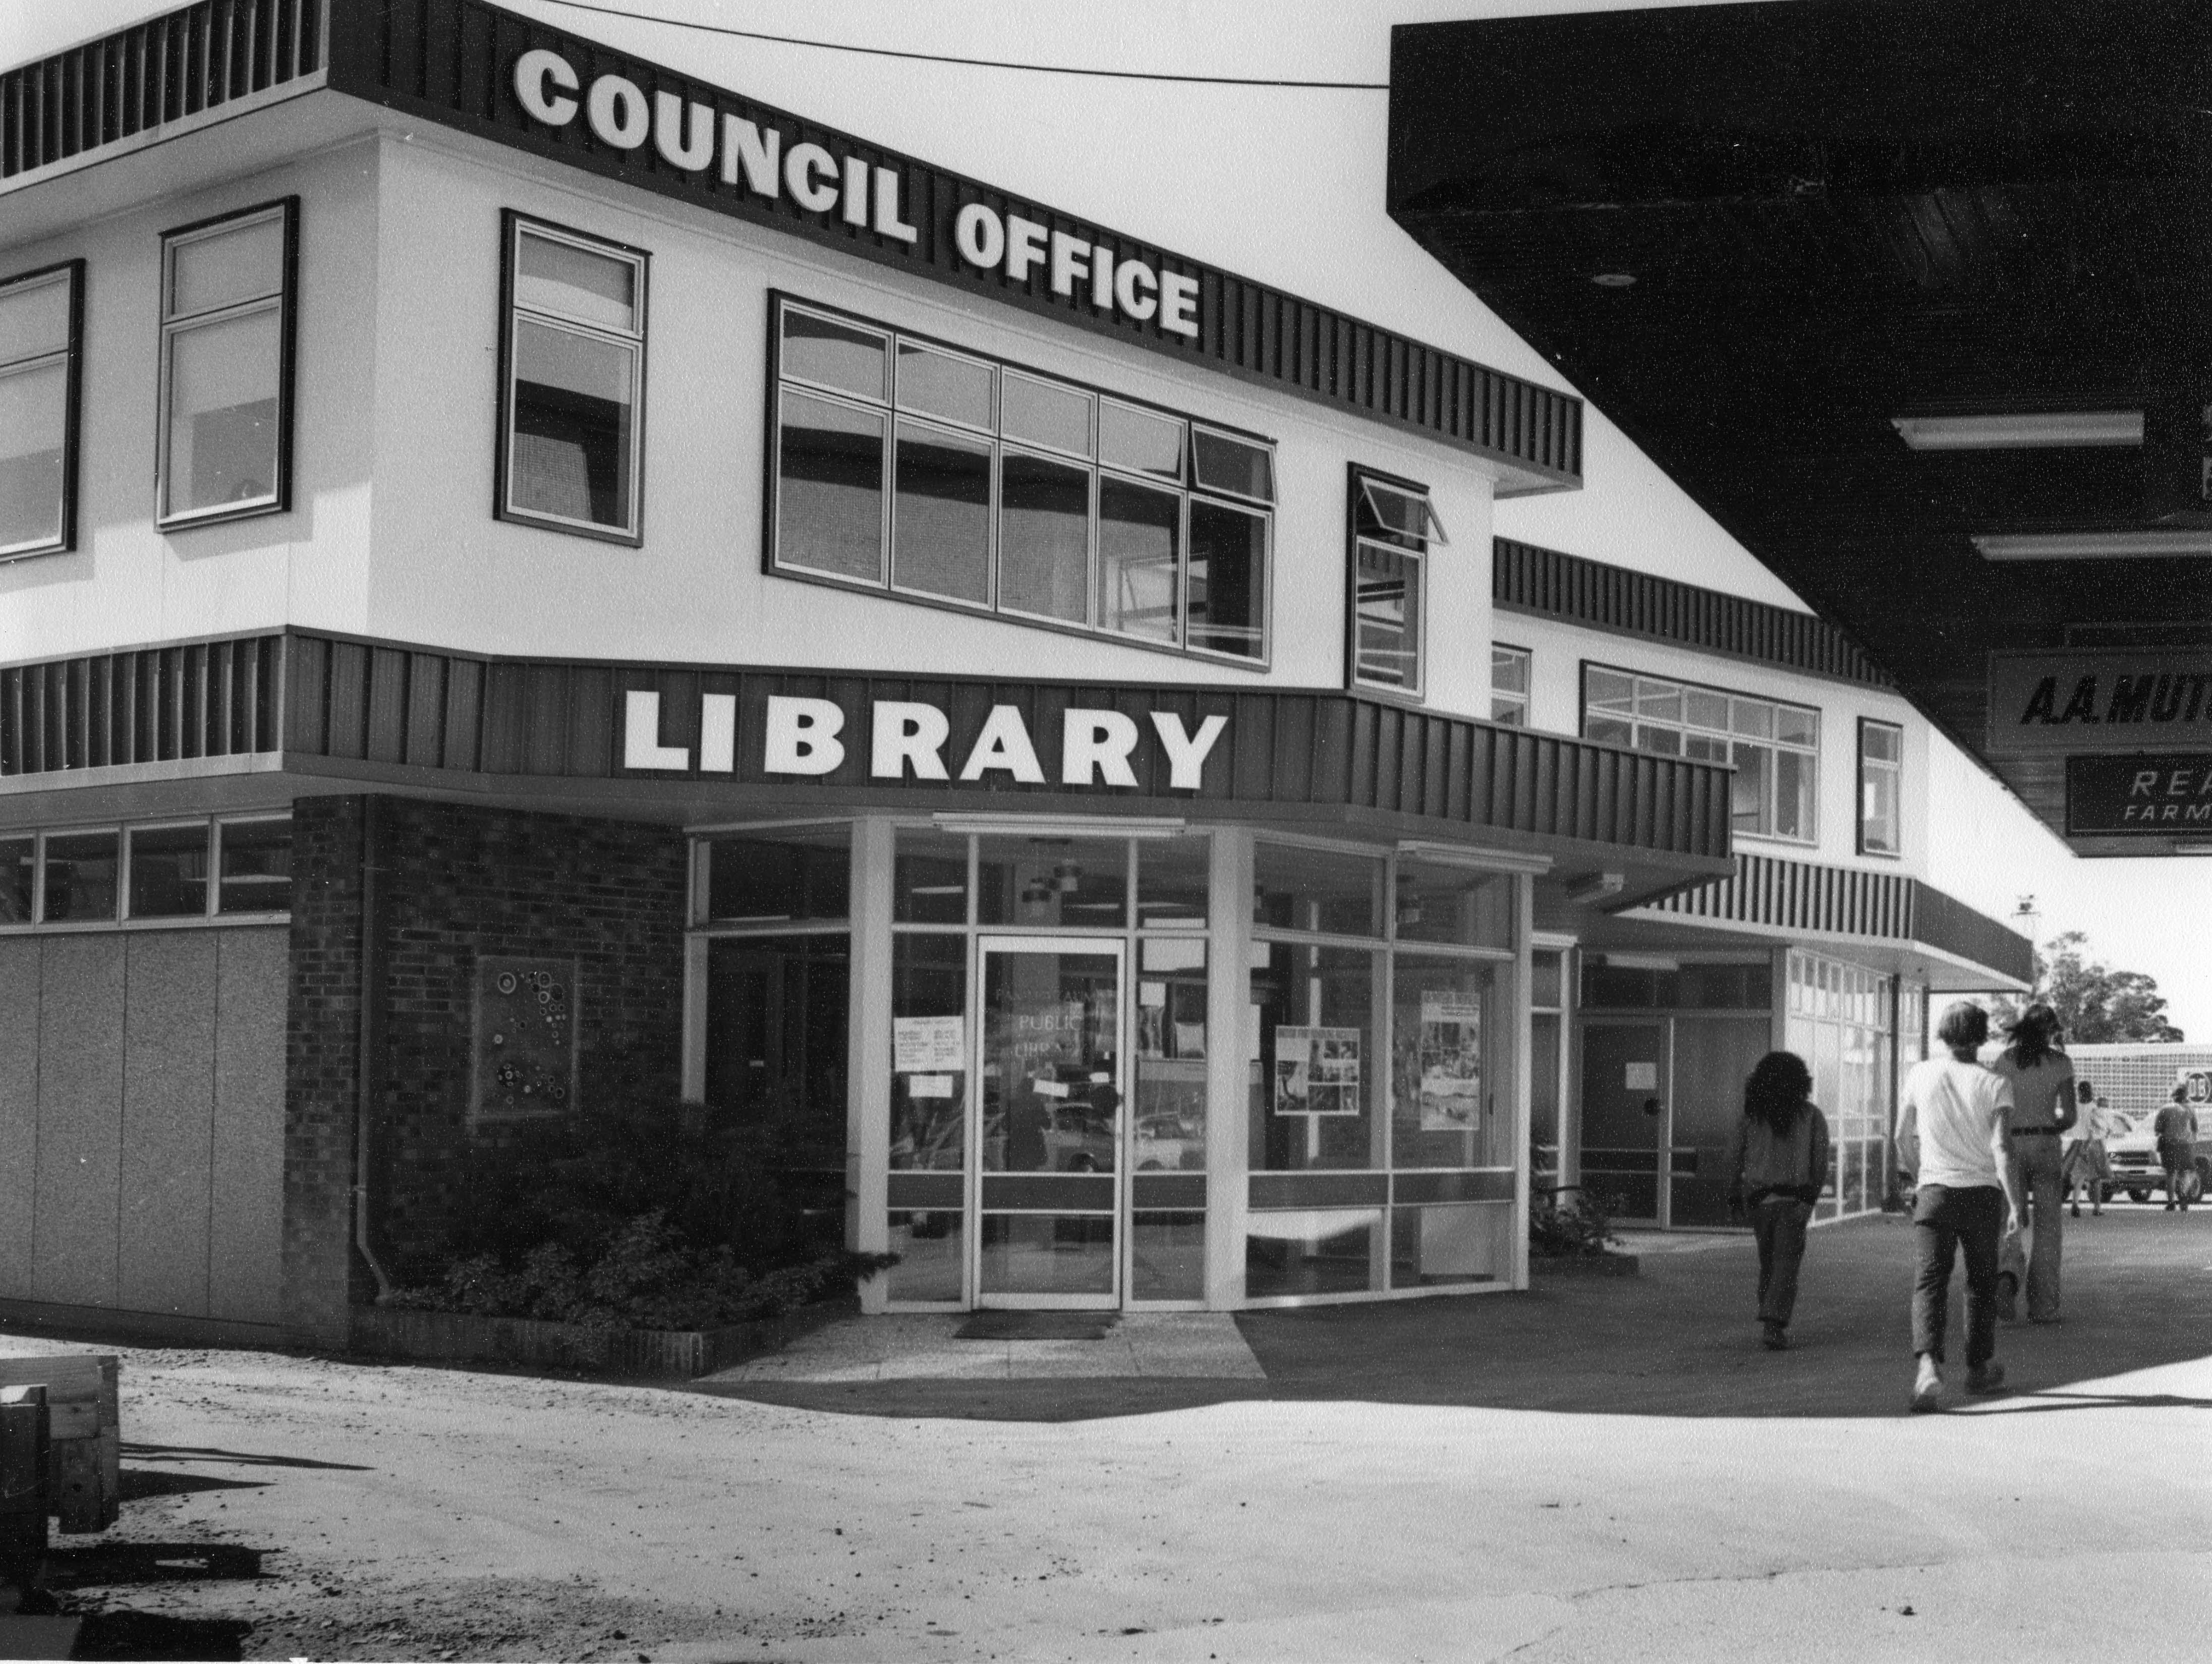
[
  {"x": 1307, "y": 1252},
  {"x": 1169, "y": 1126},
  {"x": 931, "y": 1249},
  {"x": 1313, "y": 1084},
  {"x": 1445, "y": 1098},
  {"x": 784, "y": 875},
  {"x": 929, "y": 1099},
  {"x": 1067, "y": 882},
  {"x": 776, "y": 1009}
]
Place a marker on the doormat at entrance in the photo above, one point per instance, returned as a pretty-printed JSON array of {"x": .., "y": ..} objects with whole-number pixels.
[{"x": 1037, "y": 1326}]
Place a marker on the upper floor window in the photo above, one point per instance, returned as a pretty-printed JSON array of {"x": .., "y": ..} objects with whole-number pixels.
[
  {"x": 1881, "y": 766},
  {"x": 571, "y": 436},
  {"x": 1775, "y": 748},
  {"x": 1392, "y": 529},
  {"x": 904, "y": 466},
  {"x": 41, "y": 317},
  {"x": 1509, "y": 685},
  {"x": 226, "y": 442}
]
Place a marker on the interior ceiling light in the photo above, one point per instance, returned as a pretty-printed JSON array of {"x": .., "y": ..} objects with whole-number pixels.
[
  {"x": 2035, "y": 431},
  {"x": 2093, "y": 546},
  {"x": 1615, "y": 279}
]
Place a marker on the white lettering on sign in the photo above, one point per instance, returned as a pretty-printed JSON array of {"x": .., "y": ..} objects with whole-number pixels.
[
  {"x": 909, "y": 735},
  {"x": 641, "y": 746},
  {"x": 1004, "y": 744},
  {"x": 1097, "y": 741},
  {"x": 534, "y": 71},
  {"x": 683, "y": 131},
  {"x": 802, "y": 735},
  {"x": 1186, "y": 751},
  {"x": 907, "y": 740}
]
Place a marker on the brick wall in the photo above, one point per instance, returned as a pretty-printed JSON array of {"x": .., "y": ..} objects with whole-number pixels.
[
  {"x": 456, "y": 882},
  {"x": 322, "y": 1060}
]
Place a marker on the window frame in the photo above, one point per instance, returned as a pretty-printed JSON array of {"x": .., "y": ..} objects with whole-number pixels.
[
  {"x": 1771, "y": 743},
  {"x": 71, "y": 356},
  {"x": 286, "y": 210},
  {"x": 211, "y": 915},
  {"x": 1894, "y": 767},
  {"x": 1525, "y": 696},
  {"x": 1098, "y": 470},
  {"x": 1360, "y": 477},
  {"x": 513, "y": 222}
]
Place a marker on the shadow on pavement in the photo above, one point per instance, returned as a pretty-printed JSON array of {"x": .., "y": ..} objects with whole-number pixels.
[
  {"x": 1680, "y": 1340},
  {"x": 146, "y": 1635},
  {"x": 232, "y": 1457}
]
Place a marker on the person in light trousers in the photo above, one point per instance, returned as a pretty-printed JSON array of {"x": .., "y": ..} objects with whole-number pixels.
[
  {"x": 1777, "y": 1164},
  {"x": 2043, "y": 1111},
  {"x": 1951, "y": 1144}
]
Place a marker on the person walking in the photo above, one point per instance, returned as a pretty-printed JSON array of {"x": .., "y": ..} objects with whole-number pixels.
[
  {"x": 2085, "y": 1164},
  {"x": 2175, "y": 1129},
  {"x": 1777, "y": 1163},
  {"x": 1951, "y": 1144},
  {"x": 2043, "y": 1109}
]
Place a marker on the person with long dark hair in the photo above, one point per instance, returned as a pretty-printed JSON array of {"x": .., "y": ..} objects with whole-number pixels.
[
  {"x": 2043, "y": 1108},
  {"x": 1951, "y": 1145},
  {"x": 1777, "y": 1163}
]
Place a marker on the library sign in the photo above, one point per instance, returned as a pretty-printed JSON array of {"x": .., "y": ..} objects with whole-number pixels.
[{"x": 788, "y": 737}]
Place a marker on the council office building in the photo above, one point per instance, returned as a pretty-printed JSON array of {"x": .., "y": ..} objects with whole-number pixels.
[{"x": 533, "y": 582}]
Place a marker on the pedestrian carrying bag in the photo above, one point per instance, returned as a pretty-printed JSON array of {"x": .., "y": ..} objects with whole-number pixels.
[{"x": 2012, "y": 1274}]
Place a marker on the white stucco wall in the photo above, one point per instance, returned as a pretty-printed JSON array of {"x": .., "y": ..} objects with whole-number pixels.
[{"x": 1558, "y": 652}]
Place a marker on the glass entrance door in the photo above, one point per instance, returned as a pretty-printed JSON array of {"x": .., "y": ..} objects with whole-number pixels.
[
  {"x": 1050, "y": 1134},
  {"x": 1625, "y": 1081}
]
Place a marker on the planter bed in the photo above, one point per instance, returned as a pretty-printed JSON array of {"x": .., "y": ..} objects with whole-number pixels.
[
  {"x": 1583, "y": 1265},
  {"x": 684, "y": 1354}
]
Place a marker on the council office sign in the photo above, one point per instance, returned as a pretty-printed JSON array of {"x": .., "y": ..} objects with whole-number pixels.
[
  {"x": 2148, "y": 794},
  {"x": 2087, "y": 703}
]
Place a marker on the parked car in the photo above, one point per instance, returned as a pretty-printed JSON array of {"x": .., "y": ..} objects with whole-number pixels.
[{"x": 2134, "y": 1156}]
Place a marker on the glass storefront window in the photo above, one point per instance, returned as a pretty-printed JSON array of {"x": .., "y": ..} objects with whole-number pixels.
[
  {"x": 1172, "y": 881},
  {"x": 931, "y": 1247},
  {"x": 929, "y": 877},
  {"x": 1071, "y": 883},
  {"x": 1454, "y": 905},
  {"x": 929, "y": 1052},
  {"x": 1167, "y": 1256},
  {"x": 1170, "y": 1056},
  {"x": 1445, "y": 1105},
  {"x": 1314, "y": 1084},
  {"x": 776, "y": 1031},
  {"x": 779, "y": 875},
  {"x": 1326, "y": 890},
  {"x": 1310, "y": 1251},
  {"x": 1465, "y": 1242}
]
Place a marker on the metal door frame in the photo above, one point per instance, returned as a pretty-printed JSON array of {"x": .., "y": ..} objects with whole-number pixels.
[
  {"x": 1663, "y": 1173},
  {"x": 1116, "y": 945}
]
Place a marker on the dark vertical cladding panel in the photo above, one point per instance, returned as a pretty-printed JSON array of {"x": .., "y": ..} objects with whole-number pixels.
[
  {"x": 592, "y": 721},
  {"x": 426, "y": 710},
  {"x": 349, "y": 734},
  {"x": 387, "y": 725},
  {"x": 506, "y": 720},
  {"x": 547, "y": 692}
]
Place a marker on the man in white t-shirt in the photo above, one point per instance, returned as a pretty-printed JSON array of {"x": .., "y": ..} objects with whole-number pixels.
[{"x": 1951, "y": 1142}]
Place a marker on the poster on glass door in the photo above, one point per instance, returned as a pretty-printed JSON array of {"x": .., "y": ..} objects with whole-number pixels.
[
  {"x": 1450, "y": 1060},
  {"x": 1316, "y": 1071}
]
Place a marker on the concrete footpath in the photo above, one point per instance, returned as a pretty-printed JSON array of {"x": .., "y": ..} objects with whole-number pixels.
[{"x": 1598, "y": 1469}]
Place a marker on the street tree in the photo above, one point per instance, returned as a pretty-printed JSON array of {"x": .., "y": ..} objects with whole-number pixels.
[{"x": 2095, "y": 1004}]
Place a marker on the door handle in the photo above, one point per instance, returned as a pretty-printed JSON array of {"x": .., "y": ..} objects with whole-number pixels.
[{"x": 1651, "y": 1105}]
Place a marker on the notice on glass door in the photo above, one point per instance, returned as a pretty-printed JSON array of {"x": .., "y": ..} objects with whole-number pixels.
[
  {"x": 1316, "y": 1071},
  {"x": 928, "y": 1045},
  {"x": 1643, "y": 1077}
]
